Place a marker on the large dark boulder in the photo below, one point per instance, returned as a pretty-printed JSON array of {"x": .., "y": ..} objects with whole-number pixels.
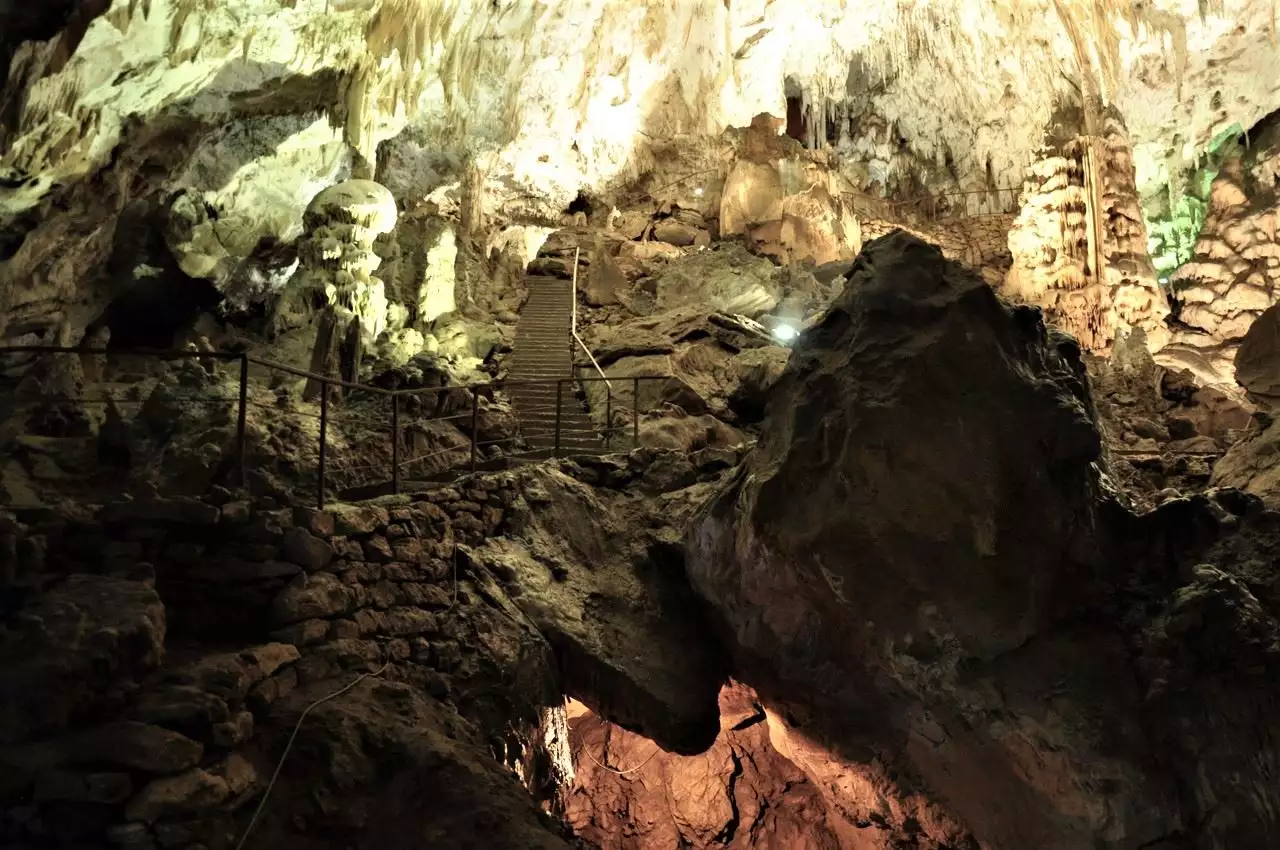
[{"x": 925, "y": 580}]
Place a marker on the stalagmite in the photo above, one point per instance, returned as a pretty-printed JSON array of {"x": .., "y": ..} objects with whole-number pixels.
[{"x": 342, "y": 223}]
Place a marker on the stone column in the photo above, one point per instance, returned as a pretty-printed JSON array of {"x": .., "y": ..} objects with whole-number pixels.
[
  {"x": 337, "y": 264},
  {"x": 1079, "y": 242}
]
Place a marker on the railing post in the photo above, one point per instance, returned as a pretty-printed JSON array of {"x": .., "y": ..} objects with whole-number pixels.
[
  {"x": 324, "y": 424},
  {"x": 395, "y": 443},
  {"x": 608, "y": 413},
  {"x": 635, "y": 413},
  {"x": 555, "y": 452},
  {"x": 573, "y": 310},
  {"x": 241, "y": 423},
  {"x": 475, "y": 424}
]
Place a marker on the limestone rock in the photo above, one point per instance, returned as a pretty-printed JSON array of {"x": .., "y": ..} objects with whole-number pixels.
[
  {"x": 232, "y": 675},
  {"x": 1257, "y": 360},
  {"x": 1249, "y": 465},
  {"x": 1083, "y": 647},
  {"x": 682, "y": 234},
  {"x": 182, "y": 708},
  {"x": 632, "y": 644},
  {"x": 363, "y": 203},
  {"x": 306, "y": 550},
  {"x": 752, "y": 194},
  {"x": 138, "y": 746},
  {"x": 170, "y": 796},
  {"x": 755, "y": 371},
  {"x": 604, "y": 279},
  {"x": 631, "y": 224},
  {"x": 683, "y": 433},
  {"x": 741, "y": 787},
  {"x": 727, "y": 279},
  {"x": 83, "y": 787},
  {"x": 358, "y": 519},
  {"x": 404, "y": 770},
  {"x": 70, "y": 644}
]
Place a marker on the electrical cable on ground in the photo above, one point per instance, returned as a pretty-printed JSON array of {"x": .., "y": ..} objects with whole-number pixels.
[
  {"x": 262, "y": 804},
  {"x": 582, "y": 748}
]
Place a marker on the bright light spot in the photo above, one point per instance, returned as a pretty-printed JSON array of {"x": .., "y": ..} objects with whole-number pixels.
[
  {"x": 1164, "y": 280},
  {"x": 785, "y": 333},
  {"x": 698, "y": 191}
]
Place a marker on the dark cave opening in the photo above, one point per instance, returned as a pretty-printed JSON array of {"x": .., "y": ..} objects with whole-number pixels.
[
  {"x": 796, "y": 126},
  {"x": 580, "y": 204},
  {"x": 154, "y": 310}
]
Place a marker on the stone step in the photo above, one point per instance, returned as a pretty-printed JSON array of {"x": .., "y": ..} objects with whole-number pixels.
[{"x": 542, "y": 353}]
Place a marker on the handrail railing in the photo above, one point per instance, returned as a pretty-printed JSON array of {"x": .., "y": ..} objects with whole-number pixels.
[
  {"x": 394, "y": 395},
  {"x": 927, "y": 206},
  {"x": 573, "y": 324}
]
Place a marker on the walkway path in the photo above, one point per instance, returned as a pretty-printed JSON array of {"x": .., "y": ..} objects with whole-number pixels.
[{"x": 541, "y": 352}]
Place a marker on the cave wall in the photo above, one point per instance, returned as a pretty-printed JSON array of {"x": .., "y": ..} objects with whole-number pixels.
[
  {"x": 629, "y": 794},
  {"x": 798, "y": 205},
  {"x": 979, "y": 628}
]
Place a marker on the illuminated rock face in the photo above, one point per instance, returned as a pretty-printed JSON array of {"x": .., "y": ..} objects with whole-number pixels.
[
  {"x": 1079, "y": 243},
  {"x": 1233, "y": 275},
  {"x": 338, "y": 261},
  {"x": 579, "y": 83}
]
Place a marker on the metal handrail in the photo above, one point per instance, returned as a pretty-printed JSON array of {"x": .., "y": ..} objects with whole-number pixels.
[
  {"x": 573, "y": 322},
  {"x": 327, "y": 381}
]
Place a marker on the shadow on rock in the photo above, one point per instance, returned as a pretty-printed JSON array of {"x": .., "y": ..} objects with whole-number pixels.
[{"x": 923, "y": 573}]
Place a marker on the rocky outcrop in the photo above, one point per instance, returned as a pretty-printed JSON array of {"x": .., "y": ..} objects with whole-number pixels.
[
  {"x": 630, "y": 794},
  {"x": 1162, "y": 430},
  {"x": 441, "y": 633},
  {"x": 631, "y": 644},
  {"x": 63, "y": 650},
  {"x": 121, "y": 731},
  {"x": 974, "y": 647}
]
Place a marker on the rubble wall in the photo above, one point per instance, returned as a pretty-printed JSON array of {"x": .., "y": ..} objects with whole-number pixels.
[{"x": 174, "y": 631}]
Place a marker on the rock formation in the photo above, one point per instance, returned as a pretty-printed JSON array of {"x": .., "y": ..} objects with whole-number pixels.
[
  {"x": 1079, "y": 243},
  {"x": 882, "y": 562},
  {"x": 973, "y": 632},
  {"x": 1231, "y": 277},
  {"x": 338, "y": 261}
]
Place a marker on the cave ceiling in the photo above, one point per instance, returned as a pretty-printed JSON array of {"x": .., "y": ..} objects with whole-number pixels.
[{"x": 547, "y": 97}]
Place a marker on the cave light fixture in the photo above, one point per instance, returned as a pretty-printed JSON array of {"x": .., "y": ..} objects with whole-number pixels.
[{"x": 785, "y": 333}]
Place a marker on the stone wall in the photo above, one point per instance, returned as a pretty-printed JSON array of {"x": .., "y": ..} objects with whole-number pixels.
[{"x": 167, "y": 646}]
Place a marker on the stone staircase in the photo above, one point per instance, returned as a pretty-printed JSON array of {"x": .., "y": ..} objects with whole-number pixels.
[{"x": 541, "y": 353}]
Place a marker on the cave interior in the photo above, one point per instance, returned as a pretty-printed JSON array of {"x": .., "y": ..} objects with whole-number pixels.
[{"x": 639, "y": 425}]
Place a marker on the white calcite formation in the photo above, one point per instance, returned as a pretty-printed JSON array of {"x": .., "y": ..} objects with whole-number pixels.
[
  {"x": 338, "y": 261},
  {"x": 1234, "y": 273},
  {"x": 1079, "y": 242},
  {"x": 498, "y": 114},
  {"x": 553, "y": 95}
]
